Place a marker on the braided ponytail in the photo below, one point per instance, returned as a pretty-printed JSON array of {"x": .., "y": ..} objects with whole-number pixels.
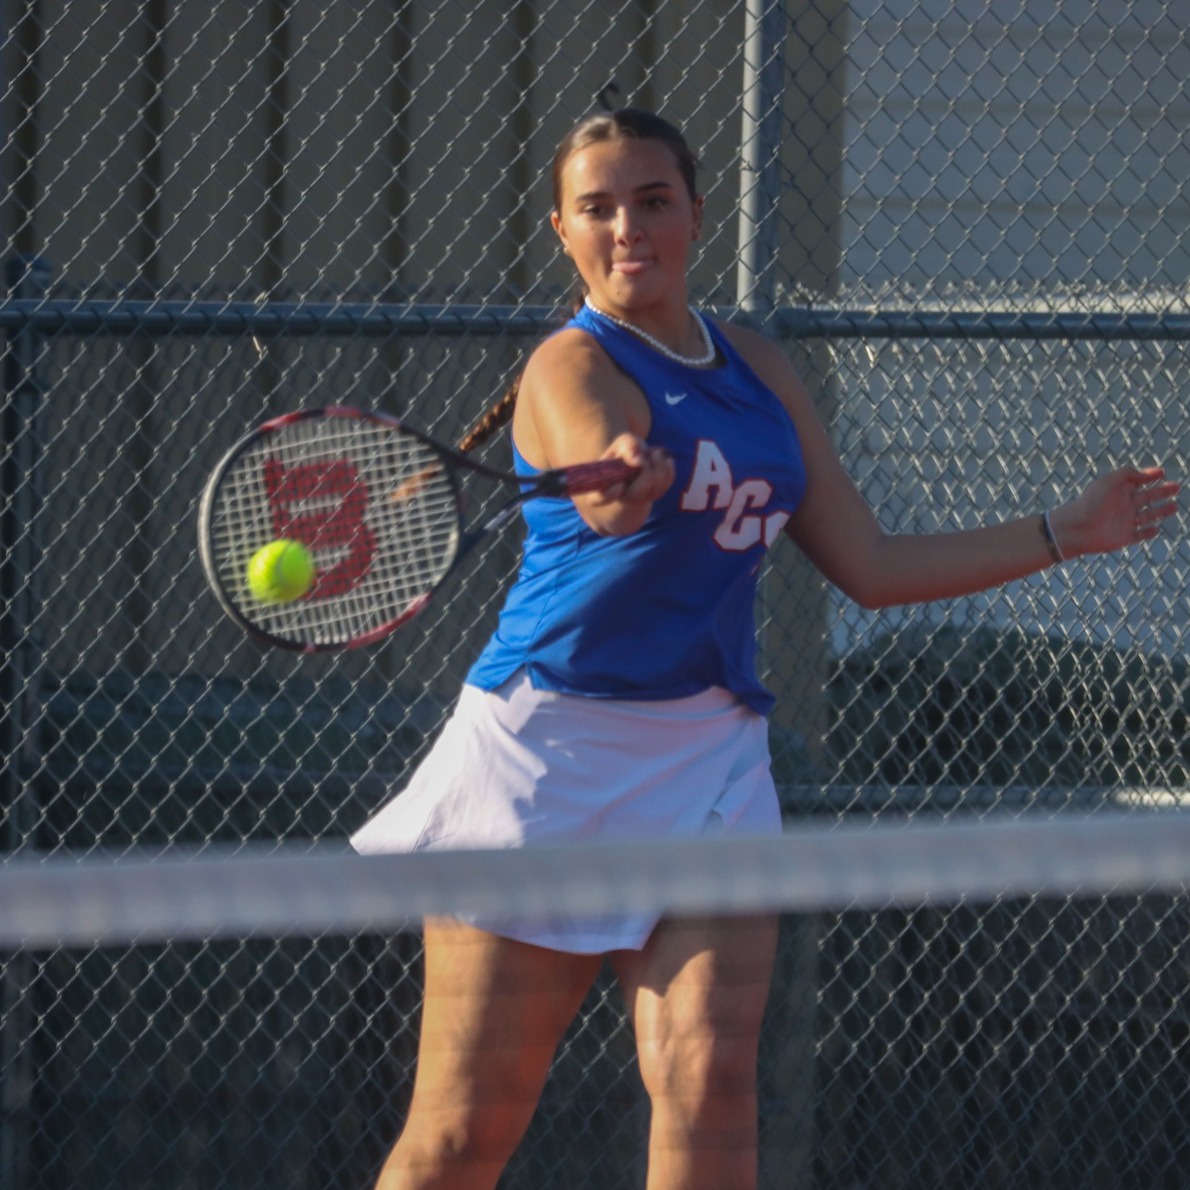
[
  {"x": 500, "y": 413},
  {"x": 496, "y": 416}
]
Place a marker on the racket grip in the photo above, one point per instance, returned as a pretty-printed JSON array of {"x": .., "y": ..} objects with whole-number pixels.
[{"x": 598, "y": 476}]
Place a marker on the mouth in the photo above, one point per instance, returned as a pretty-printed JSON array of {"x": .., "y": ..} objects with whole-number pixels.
[{"x": 631, "y": 268}]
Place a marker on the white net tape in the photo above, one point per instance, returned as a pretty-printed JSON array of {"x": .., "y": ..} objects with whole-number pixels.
[{"x": 285, "y": 891}]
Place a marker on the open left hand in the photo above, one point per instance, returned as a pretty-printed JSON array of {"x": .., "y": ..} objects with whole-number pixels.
[{"x": 1121, "y": 508}]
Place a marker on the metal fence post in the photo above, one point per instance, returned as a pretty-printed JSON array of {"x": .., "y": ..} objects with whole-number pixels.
[
  {"x": 760, "y": 141},
  {"x": 787, "y": 1077},
  {"x": 20, "y": 505}
]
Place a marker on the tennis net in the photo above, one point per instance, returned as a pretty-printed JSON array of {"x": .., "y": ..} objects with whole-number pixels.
[
  {"x": 993, "y": 1001},
  {"x": 290, "y": 890}
]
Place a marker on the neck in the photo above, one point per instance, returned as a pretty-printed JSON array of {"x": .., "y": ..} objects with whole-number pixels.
[{"x": 694, "y": 346}]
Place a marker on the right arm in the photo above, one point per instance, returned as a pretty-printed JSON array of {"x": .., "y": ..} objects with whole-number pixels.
[{"x": 575, "y": 406}]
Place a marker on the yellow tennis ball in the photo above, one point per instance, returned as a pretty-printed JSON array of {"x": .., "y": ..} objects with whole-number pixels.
[{"x": 281, "y": 572}]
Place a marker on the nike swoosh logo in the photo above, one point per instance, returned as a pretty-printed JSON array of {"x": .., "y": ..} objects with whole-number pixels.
[{"x": 675, "y": 398}]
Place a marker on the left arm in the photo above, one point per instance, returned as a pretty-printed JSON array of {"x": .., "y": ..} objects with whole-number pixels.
[
  {"x": 838, "y": 532},
  {"x": 1117, "y": 509}
]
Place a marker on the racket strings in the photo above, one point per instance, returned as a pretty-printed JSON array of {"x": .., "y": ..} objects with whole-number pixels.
[{"x": 375, "y": 506}]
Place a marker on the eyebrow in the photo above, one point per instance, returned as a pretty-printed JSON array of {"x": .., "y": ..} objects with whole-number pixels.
[{"x": 646, "y": 188}]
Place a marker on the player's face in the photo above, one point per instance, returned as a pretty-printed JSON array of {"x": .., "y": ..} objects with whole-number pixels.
[{"x": 628, "y": 220}]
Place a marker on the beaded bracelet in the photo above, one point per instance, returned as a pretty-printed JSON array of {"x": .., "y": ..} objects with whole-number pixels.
[{"x": 1051, "y": 542}]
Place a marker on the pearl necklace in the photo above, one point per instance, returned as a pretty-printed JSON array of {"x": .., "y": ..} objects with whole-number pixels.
[{"x": 690, "y": 361}]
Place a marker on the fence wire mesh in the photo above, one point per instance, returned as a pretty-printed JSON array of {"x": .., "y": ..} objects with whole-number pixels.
[{"x": 968, "y": 222}]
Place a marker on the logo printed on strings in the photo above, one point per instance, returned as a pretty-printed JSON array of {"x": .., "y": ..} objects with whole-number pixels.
[{"x": 322, "y": 505}]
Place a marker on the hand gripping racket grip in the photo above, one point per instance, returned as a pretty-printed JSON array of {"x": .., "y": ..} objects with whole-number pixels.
[{"x": 587, "y": 477}]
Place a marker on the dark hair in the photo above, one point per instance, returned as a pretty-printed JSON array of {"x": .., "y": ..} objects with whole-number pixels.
[
  {"x": 626, "y": 123},
  {"x": 493, "y": 417}
]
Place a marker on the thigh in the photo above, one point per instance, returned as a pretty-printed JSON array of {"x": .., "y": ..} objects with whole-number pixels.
[
  {"x": 696, "y": 994},
  {"x": 493, "y": 1014}
]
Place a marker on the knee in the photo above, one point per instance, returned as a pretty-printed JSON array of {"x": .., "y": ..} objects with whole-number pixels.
[
  {"x": 456, "y": 1146},
  {"x": 700, "y": 1067}
]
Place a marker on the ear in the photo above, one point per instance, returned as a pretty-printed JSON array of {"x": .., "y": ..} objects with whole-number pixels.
[
  {"x": 698, "y": 205},
  {"x": 559, "y": 231}
]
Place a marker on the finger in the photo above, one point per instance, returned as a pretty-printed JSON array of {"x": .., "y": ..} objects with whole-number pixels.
[
  {"x": 1154, "y": 514},
  {"x": 1150, "y": 514},
  {"x": 1161, "y": 496},
  {"x": 1145, "y": 478},
  {"x": 1147, "y": 474},
  {"x": 1165, "y": 491},
  {"x": 1164, "y": 496},
  {"x": 657, "y": 473}
]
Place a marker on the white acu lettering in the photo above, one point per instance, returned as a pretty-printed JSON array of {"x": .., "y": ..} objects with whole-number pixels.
[
  {"x": 743, "y": 524},
  {"x": 711, "y": 471},
  {"x": 773, "y": 524},
  {"x": 739, "y": 531}
]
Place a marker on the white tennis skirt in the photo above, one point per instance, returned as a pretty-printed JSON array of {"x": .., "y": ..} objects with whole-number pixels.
[{"x": 518, "y": 767}]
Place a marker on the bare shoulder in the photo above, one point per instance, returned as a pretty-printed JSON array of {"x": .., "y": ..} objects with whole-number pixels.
[
  {"x": 746, "y": 341},
  {"x": 572, "y": 397},
  {"x": 567, "y": 361}
]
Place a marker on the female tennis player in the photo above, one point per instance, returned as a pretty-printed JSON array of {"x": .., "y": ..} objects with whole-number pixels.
[{"x": 618, "y": 697}]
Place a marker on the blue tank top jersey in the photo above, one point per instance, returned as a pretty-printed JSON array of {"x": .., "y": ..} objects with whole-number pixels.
[{"x": 667, "y": 611}]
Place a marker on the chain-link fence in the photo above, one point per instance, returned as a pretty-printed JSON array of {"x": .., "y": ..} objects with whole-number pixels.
[{"x": 969, "y": 224}]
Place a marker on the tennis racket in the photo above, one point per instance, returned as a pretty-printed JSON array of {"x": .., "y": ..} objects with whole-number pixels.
[{"x": 376, "y": 503}]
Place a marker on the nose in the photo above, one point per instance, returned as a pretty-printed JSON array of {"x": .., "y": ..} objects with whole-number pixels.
[{"x": 625, "y": 227}]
